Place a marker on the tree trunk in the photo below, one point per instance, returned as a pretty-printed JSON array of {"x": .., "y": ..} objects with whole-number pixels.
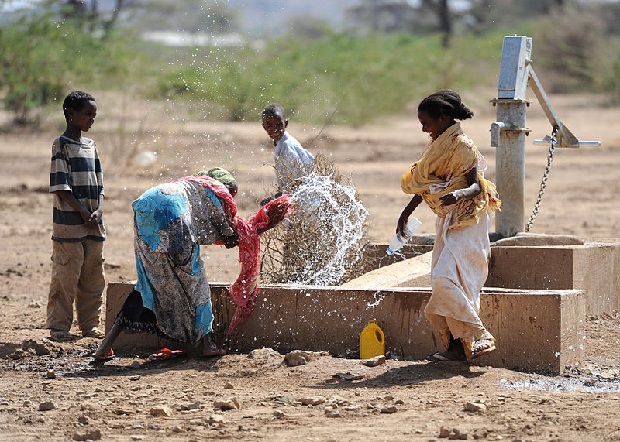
[{"x": 445, "y": 22}]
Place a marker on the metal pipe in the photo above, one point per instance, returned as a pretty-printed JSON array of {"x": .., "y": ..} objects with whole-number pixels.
[
  {"x": 510, "y": 168},
  {"x": 510, "y": 158}
]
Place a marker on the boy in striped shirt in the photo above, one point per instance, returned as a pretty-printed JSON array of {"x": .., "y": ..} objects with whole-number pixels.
[{"x": 76, "y": 182}]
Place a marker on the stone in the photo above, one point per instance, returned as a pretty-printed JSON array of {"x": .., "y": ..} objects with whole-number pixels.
[
  {"x": 298, "y": 357},
  {"x": 216, "y": 419},
  {"x": 475, "y": 407},
  {"x": 46, "y": 406},
  {"x": 373, "y": 362},
  {"x": 313, "y": 400},
  {"x": 94, "y": 434},
  {"x": 224, "y": 405},
  {"x": 347, "y": 376},
  {"x": 389, "y": 409},
  {"x": 40, "y": 348},
  {"x": 332, "y": 413},
  {"x": 264, "y": 353},
  {"x": 160, "y": 411},
  {"x": 194, "y": 406}
]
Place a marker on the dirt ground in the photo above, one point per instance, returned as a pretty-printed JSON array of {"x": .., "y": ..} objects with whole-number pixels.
[{"x": 53, "y": 391}]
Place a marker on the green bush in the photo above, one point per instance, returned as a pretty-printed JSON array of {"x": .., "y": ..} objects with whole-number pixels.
[
  {"x": 353, "y": 80},
  {"x": 335, "y": 79},
  {"x": 41, "y": 59},
  {"x": 567, "y": 46}
]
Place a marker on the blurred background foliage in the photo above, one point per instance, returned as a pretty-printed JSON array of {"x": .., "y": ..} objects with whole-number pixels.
[{"x": 320, "y": 72}]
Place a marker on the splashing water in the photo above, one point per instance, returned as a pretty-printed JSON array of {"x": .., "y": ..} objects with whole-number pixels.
[
  {"x": 335, "y": 209},
  {"x": 584, "y": 384},
  {"x": 323, "y": 238},
  {"x": 377, "y": 299}
]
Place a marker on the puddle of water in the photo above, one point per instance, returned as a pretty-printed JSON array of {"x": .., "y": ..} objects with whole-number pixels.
[{"x": 595, "y": 383}]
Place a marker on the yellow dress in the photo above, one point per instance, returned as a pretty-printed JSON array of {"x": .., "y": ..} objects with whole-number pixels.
[{"x": 462, "y": 249}]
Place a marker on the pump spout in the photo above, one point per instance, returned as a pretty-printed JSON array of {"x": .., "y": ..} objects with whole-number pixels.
[{"x": 497, "y": 127}]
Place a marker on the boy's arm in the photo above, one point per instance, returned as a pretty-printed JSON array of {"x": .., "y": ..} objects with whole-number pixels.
[
  {"x": 72, "y": 201},
  {"x": 96, "y": 216}
]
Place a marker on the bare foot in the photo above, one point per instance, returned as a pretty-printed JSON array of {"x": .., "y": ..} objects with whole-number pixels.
[{"x": 209, "y": 349}]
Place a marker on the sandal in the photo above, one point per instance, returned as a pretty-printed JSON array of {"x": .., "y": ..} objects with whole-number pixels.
[
  {"x": 482, "y": 347},
  {"x": 103, "y": 358},
  {"x": 94, "y": 333},
  {"x": 447, "y": 356},
  {"x": 166, "y": 353},
  {"x": 61, "y": 336},
  {"x": 209, "y": 349},
  {"x": 214, "y": 353}
]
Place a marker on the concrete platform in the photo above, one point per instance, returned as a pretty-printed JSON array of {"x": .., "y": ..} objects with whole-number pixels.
[
  {"x": 528, "y": 262},
  {"x": 536, "y": 330},
  {"x": 593, "y": 267}
]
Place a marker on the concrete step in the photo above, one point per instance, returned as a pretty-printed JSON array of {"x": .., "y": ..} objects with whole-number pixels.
[{"x": 536, "y": 330}]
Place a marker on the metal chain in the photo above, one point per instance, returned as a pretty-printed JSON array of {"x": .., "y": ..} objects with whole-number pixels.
[{"x": 543, "y": 184}]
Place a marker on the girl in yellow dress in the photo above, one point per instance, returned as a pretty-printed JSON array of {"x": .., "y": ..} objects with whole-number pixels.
[{"x": 448, "y": 177}]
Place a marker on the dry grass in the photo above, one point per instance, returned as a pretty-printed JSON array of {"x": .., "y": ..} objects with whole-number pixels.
[{"x": 321, "y": 242}]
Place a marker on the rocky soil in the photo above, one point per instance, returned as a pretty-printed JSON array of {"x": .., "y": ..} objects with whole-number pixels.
[{"x": 56, "y": 391}]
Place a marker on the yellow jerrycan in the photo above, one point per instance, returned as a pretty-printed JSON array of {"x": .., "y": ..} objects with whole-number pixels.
[{"x": 372, "y": 341}]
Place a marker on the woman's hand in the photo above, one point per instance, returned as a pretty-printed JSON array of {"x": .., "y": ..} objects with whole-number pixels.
[
  {"x": 231, "y": 241},
  {"x": 407, "y": 211},
  {"x": 472, "y": 189},
  {"x": 450, "y": 198},
  {"x": 402, "y": 223},
  {"x": 276, "y": 211}
]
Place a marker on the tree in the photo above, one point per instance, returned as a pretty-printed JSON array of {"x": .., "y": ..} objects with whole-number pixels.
[
  {"x": 40, "y": 57},
  {"x": 309, "y": 28},
  {"x": 90, "y": 15},
  {"x": 192, "y": 15},
  {"x": 31, "y": 73},
  {"x": 482, "y": 16},
  {"x": 444, "y": 18}
]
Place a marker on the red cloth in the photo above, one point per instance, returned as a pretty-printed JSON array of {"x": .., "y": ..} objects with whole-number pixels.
[{"x": 245, "y": 289}]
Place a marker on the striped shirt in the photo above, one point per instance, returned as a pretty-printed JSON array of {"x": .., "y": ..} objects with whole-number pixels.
[{"x": 75, "y": 167}]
